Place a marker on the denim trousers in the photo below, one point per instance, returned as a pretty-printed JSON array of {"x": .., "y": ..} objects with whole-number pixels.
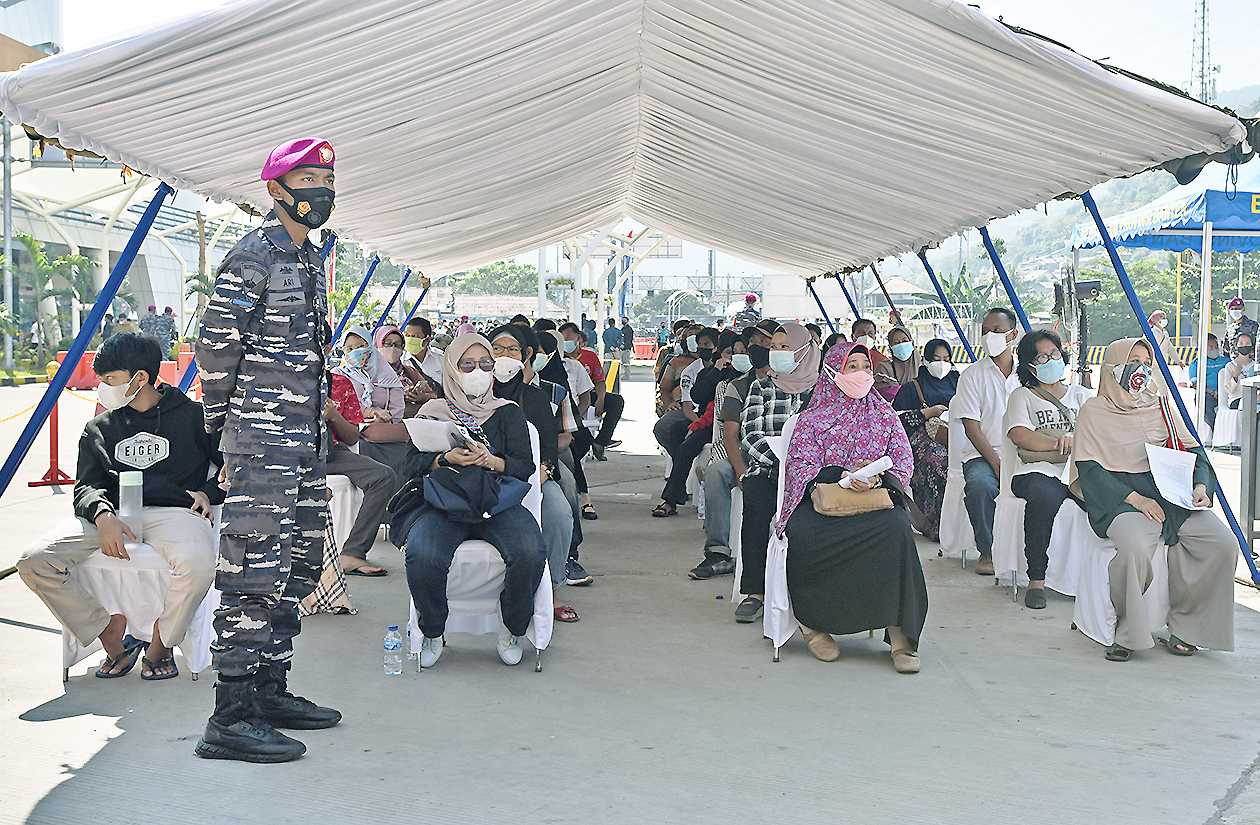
[
  {"x": 719, "y": 480},
  {"x": 980, "y": 489},
  {"x": 557, "y": 529}
]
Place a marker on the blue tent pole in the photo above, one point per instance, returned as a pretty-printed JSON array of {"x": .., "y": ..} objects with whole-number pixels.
[
  {"x": 416, "y": 305},
  {"x": 190, "y": 374},
  {"x": 1136, "y": 304},
  {"x": 857, "y": 313},
  {"x": 1006, "y": 279},
  {"x": 949, "y": 310},
  {"x": 380, "y": 322},
  {"x": 89, "y": 327},
  {"x": 354, "y": 302},
  {"x": 826, "y": 316}
]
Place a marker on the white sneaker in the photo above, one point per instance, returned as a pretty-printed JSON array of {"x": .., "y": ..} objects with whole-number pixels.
[
  {"x": 510, "y": 652},
  {"x": 431, "y": 651}
]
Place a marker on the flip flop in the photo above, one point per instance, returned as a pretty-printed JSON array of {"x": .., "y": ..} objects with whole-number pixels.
[
  {"x": 166, "y": 661},
  {"x": 588, "y": 513},
  {"x": 129, "y": 654},
  {"x": 358, "y": 571},
  {"x": 664, "y": 510},
  {"x": 1177, "y": 647},
  {"x": 565, "y": 613}
]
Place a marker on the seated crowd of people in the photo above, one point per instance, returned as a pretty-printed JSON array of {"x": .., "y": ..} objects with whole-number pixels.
[{"x": 725, "y": 397}]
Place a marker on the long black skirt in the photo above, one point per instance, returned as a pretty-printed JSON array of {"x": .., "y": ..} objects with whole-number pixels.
[{"x": 846, "y": 575}]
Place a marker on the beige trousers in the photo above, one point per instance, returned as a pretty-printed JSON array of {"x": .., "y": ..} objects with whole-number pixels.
[
  {"x": 183, "y": 538},
  {"x": 1200, "y": 580}
]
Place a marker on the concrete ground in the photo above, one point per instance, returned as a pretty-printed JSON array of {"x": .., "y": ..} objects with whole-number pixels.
[{"x": 655, "y": 708}]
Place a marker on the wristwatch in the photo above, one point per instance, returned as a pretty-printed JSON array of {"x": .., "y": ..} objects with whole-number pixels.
[{"x": 442, "y": 462}]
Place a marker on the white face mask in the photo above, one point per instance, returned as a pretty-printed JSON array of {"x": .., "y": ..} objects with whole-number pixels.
[
  {"x": 782, "y": 361},
  {"x": 741, "y": 362},
  {"x": 392, "y": 355},
  {"x": 995, "y": 343},
  {"x": 1235, "y": 314},
  {"x": 505, "y": 369},
  {"x": 865, "y": 341},
  {"x": 476, "y": 383},
  {"x": 939, "y": 369},
  {"x": 113, "y": 397}
]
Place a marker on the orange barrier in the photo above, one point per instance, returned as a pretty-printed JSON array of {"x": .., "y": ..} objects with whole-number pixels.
[
  {"x": 645, "y": 349},
  {"x": 83, "y": 378}
]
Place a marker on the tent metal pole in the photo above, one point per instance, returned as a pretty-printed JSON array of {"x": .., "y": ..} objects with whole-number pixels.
[
  {"x": 949, "y": 310},
  {"x": 354, "y": 302},
  {"x": 416, "y": 305},
  {"x": 89, "y": 327},
  {"x": 9, "y": 303},
  {"x": 1136, "y": 304},
  {"x": 1205, "y": 323},
  {"x": 893, "y": 307},
  {"x": 1006, "y": 279},
  {"x": 857, "y": 313},
  {"x": 380, "y": 322},
  {"x": 190, "y": 373},
  {"x": 826, "y": 316}
]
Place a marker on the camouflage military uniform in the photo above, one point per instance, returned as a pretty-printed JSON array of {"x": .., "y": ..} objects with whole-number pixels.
[{"x": 260, "y": 355}]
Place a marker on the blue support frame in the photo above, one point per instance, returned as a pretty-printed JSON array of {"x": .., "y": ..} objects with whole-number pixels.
[
  {"x": 380, "y": 322},
  {"x": 190, "y": 374},
  {"x": 88, "y": 329},
  {"x": 949, "y": 310},
  {"x": 354, "y": 302},
  {"x": 826, "y": 316},
  {"x": 857, "y": 313},
  {"x": 1136, "y": 305},
  {"x": 1006, "y": 279},
  {"x": 415, "y": 306}
]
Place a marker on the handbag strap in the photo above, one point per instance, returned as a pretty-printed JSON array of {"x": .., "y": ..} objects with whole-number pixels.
[
  {"x": 1063, "y": 410},
  {"x": 1174, "y": 441},
  {"x": 922, "y": 401}
]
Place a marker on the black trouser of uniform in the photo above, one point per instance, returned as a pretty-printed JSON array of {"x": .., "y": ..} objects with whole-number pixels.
[
  {"x": 675, "y": 491},
  {"x": 759, "y": 506},
  {"x": 1043, "y": 496},
  {"x": 614, "y": 406}
]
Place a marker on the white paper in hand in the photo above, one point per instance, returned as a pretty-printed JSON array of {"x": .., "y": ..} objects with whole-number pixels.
[
  {"x": 1173, "y": 471},
  {"x": 868, "y": 472},
  {"x": 430, "y": 436}
]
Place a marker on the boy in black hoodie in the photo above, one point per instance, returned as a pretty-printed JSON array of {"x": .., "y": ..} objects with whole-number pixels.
[{"x": 161, "y": 433}]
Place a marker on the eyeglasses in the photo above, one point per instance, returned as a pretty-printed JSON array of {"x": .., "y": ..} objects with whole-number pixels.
[
  {"x": 469, "y": 365},
  {"x": 1047, "y": 357},
  {"x": 501, "y": 349}
]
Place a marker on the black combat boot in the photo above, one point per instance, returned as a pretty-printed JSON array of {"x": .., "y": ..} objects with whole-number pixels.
[
  {"x": 282, "y": 709},
  {"x": 236, "y": 730}
]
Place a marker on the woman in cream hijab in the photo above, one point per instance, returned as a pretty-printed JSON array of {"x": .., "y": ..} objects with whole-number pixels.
[{"x": 1114, "y": 478}]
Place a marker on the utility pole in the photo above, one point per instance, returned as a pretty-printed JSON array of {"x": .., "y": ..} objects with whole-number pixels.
[{"x": 1202, "y": 72}]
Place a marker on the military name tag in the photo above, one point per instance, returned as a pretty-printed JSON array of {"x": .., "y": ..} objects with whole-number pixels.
[
  {"x": 142, "y": 450},
  {"x": 285, "y": 289}
]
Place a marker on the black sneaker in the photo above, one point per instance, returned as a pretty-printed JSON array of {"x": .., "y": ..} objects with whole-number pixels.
[
  {"x": 235, "y": 732},
  {"x": 713, "y": 565},
  {"x": 749, "y": 610},
  {"x": 284, "y": 710},
  {"x": 1035, "y": 598},
  {"x": 598, "y": 451},
  {"x": 575, "y": 574}
]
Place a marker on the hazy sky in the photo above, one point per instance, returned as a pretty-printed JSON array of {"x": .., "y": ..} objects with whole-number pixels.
[{"x": 1150, "y": 37}]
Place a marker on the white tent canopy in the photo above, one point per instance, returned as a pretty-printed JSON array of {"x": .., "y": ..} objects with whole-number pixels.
[{"x": 809, "y": 135}]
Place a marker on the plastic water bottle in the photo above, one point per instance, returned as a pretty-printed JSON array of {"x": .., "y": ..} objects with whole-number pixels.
[
  {"x": 393, "y": 651},
  {"x": 131, "y": 501}
]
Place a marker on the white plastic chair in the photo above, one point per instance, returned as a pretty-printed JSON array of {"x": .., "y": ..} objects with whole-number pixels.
[
  {"x": 476, "y": 580},
  {"x": 957, "y": 537},
  {"x": 136, "y": 588},
  {"x": 778, "y": 622},
  {"x": 1093, "y": 614},
  {"x": 1225, "y": 435},
  {"x": 343, "y": 507},
  {"x": 735, "y": 540}
]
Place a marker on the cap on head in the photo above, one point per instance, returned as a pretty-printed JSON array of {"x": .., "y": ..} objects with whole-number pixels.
[
  {"x": 286, "y": 157},
  {"x": 169, "y": 310},
  {"x": 750, "y": 298},
  {"x": 1235, "y": 303},
  {"x": 152, "y": 307}
]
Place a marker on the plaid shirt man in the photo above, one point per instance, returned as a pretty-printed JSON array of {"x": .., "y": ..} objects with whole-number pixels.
[{"x": 766, "y": 410}]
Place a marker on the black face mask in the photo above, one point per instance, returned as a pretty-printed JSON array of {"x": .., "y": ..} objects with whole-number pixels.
[
  {"x": 760, "y": 356},
  {"x": 311, "y": 207},
  {"x": 1247, "y": 351},
  {"x": 705, "y": 353}
]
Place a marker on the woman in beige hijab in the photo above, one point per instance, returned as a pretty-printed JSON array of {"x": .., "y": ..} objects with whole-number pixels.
[
  {"x": 1114, "y": 478},
  {"x": 498, "y": 441}
]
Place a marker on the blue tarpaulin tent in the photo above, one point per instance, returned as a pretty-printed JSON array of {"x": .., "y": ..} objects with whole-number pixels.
[{"x": 1175, "y": 220}]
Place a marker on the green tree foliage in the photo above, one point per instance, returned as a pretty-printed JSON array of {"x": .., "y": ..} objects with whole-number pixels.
[
  {"x": 498, "y": 278},
  {"x": 54, "y": 278},
  {"x": 653, "y": 307},
  {"x": 966, "y": 292}
]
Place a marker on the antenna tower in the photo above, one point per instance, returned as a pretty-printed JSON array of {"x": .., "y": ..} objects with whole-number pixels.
[{"x": 1202, "y": 72}]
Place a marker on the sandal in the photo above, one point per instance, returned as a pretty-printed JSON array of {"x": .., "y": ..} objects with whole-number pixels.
[
  {"x": 565, "y": 613},
  {"x": 167, "y": 661},
  {"x": 905, "y": 660},
  {"x": 588, "y": 513},
  {"x": 665, "y": 510},
  {"x": 376, "y": 572},
  {"x": 129, "y": 654},
  {"x": 1179, "y": 648},
  {"x": 1118, "y": 653}
]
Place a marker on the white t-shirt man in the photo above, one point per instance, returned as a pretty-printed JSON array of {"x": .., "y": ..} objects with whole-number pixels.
[
  {"x": 579, "y": 379},
  {"x": 981, "y": 396},
  {"x": 1026, "y": 409}
]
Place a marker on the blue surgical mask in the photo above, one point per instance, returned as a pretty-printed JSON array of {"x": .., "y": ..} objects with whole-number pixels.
[
  {"x": 902, "y": 351},
  {"x": 540, "y": 361},
  {"x": 782, "y": 361},
  {"x": 741, "y": 362},
  {"x": 570, "y": 346},
  {"x": 356, "y": 357},
  {"x": 1051, "y": 372}
]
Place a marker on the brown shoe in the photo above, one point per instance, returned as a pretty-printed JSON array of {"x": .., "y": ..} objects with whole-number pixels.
[
  {"x": 821, "y": 645},
  {"x": 984, "y": 566},
  {"x": 905, "y": 660}
]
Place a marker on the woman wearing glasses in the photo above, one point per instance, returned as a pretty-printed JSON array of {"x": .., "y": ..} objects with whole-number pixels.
[
  {"x": 1040, "y": 422},
  {"x": 499, "y": 444}
]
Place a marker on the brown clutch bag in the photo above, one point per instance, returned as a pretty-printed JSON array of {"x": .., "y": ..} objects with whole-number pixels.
[{"x": 837, "y": 502}]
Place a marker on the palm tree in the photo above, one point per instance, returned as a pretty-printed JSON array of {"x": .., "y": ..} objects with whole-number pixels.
[
  {"x": 966, "y": 296},
  {"x": 45, "y": 274}
]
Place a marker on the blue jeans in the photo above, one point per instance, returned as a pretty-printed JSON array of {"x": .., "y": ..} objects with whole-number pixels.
[
  {"x": 980, "y": 489},
  {"x": 431, "y": 545},
  {"x": 719, "y": 480},
  {"x": 557, "y": 529}
]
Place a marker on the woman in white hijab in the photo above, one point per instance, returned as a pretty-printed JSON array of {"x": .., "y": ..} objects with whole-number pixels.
[
  {"x": 378, "y": 385},
  {"x": 499, "y": 443}
]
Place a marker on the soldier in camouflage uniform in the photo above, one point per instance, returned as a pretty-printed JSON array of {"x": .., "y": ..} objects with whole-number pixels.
[{"x": 260, "y": 353}]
